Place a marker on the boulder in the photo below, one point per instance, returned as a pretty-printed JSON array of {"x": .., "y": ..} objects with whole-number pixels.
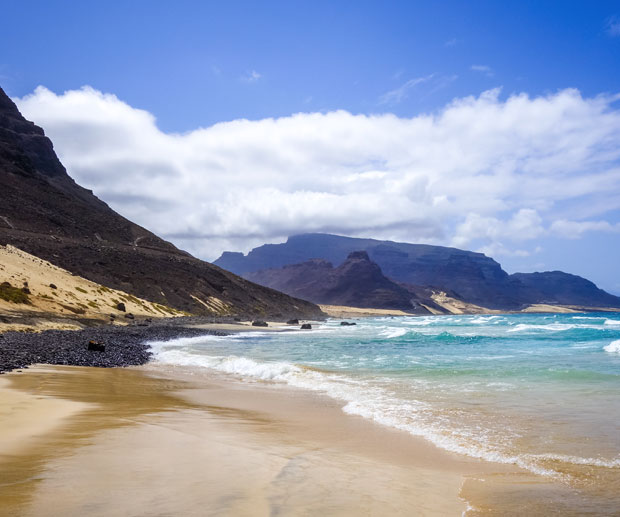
[
  {"x": 95, "y": 346},
  {"x": 347, "y": 323},
  {"x": 306, "y": 326},
  {"x": 121, "y": 307},
  {"x": 260, "y": 323},
  {"x": 293, "y": 322},
  {"x": 129, "y": 316}
]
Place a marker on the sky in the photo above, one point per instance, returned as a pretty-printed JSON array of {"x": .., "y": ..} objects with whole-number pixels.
[{"x": 490, "y": 126}]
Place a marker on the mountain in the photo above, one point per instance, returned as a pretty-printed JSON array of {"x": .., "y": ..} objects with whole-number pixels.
[
  {"x": 45, "y": 213},
  {"x": 468, "y": 276},
  {"x": 357, "y": 282}
]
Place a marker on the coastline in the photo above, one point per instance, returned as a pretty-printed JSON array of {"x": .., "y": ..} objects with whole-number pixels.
[
  {"x": 192, "y": 441},
  {"x": 243, "y": 447}
]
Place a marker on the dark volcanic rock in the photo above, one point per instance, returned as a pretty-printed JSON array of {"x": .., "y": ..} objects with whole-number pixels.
[
  {"x": 44, "y": 212},
  {"x": 120, "y": 307},
  {"x": 347, "y": 324},
  {"x": 96, "y": 346},
  {"x": 358, "y": 282},
  {"x": 294, "y": 321},
  {"x": 124, "y": 346},
  {"x": 260, "y": 323},
  {"x": 306, "y": 326}
]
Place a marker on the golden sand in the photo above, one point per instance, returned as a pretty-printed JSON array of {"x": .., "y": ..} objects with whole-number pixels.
[
  {"x": 149, "y": 441},
  {"x": 73, "y": 298}
]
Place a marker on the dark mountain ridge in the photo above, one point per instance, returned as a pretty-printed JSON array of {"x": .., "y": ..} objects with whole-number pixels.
[
  {"x": 45, "y": 213},
  {"x": 470, "y": 276},
  {"x": 357, "y": 282}
]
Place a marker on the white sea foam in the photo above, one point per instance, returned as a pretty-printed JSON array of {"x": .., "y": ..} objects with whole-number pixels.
[
  {"x": 613, "y": 347},
  {"x": 392, "y": 332},
  {"x": 372, "y": 400},
  {"x": 552, "y": 327},
  {"x": 612, "y": 322}
]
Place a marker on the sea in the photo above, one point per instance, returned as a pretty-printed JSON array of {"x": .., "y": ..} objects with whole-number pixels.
[{"x": 537, "y": 391}]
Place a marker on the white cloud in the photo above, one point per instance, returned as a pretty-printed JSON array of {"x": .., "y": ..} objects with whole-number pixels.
[
  {"x": 613, "y": 26},
  {"x": 484, "y": 171},
  {"x": 485, "y": 69},
  {"x": 399, "y": 94},
  {"x": 251, "y": 77},
  {"x": 575, "y": 229}
]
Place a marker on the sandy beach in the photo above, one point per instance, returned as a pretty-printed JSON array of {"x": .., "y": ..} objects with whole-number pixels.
[{"x": 158, "y": 441}]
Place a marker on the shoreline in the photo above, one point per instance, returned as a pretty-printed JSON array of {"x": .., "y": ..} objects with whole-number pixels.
[
  {"x": 268, "y": 447},
  {"x": 288, "y": 434}
]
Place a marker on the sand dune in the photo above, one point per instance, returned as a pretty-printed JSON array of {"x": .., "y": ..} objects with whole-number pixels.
[{"x": 58, "y": 299}]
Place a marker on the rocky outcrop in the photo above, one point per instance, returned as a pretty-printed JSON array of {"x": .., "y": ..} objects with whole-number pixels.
[
  {"x": 45, "y": 213},
  {"x": 357, "y": 282}
]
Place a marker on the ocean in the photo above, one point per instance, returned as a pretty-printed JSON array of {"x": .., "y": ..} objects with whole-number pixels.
[{"x": 539, "y": 391}]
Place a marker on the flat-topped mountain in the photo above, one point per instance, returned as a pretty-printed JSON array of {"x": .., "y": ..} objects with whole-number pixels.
[
  {"x": 357, "y": 282},
  {"x": 45, "y": 213},
  {"x": 468, "y": 276}
]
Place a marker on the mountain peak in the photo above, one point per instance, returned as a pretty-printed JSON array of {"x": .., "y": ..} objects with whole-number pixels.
[{"x": 359, "y": 255}]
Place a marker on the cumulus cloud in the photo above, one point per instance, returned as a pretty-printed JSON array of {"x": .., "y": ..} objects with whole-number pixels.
[
  {"x": 575, "y": 229},
  {"x": 483, "y": 171}
]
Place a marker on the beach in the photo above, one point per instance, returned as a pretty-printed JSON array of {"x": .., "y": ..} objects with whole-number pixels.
[
  {"x": 287, "y": 422},
  {"x": 158, "y": 441}
]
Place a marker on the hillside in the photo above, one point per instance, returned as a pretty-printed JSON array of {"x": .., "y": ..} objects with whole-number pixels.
[
  {"x": 36, "y": 295},
  {"x": 468, "y": 276},
  {"x": 45, "y": 213},
  {"x": 357, "y": 282}
]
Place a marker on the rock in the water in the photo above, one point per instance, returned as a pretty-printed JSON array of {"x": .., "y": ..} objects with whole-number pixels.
[
  {"x": 120, "y": 307},
  {"x": 347, "y": 323},
  {"x": 293, "y": 322},
  {"x": 306, "y": 326},
  {"x": 260, "y": 323},
  {"x": 95, "y": 346}
]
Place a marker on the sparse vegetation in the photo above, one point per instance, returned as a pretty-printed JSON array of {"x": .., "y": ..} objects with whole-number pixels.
[{"x": 13, "y": 294}]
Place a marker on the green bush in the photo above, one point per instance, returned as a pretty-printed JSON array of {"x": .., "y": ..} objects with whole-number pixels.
[{"x": 13, "y": 294}]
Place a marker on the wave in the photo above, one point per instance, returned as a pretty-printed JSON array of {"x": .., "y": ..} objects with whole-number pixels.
[
  {"x": 552, "y": 327},
  {"x": 612, "y": 322},
  {"x": 371, "y": 401},
  {"x": 613, "y": 347},
  {"x": 392, "y": 332}
]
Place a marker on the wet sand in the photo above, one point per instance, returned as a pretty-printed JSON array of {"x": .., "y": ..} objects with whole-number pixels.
[{"x": 151, "y": 440}]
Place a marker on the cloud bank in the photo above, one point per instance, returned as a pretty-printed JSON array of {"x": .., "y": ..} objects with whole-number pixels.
[{"x": 483, "y": 172}]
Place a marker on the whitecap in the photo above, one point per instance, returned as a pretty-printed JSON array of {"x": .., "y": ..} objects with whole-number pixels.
[
  {"x": 613, "y": 347},
  {"x": 392, "y": 332},
  {"x": 612, "y": 322}
]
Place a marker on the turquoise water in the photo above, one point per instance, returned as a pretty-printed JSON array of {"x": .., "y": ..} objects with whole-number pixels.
[{"x": 538, "y": 391}]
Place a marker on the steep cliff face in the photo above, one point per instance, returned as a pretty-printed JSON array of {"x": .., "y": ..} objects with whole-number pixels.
[
  {"x": 469, "y": 276},
  {"x": 45, "y": 213},
  {"x": 473, "y": 276},
  {"x": 557, "y": 287},
  {"x": 357, "y": 282}
]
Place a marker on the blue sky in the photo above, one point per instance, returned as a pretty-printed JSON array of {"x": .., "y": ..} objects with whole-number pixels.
[{"x": 191, "y": 65}]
